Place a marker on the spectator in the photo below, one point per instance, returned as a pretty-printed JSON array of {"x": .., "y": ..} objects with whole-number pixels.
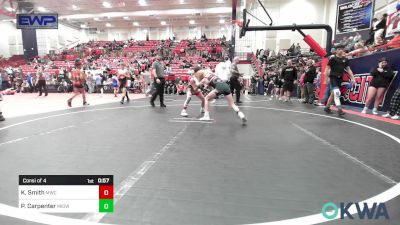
[
  {"x": 394, "y": 111},
  {"x": 254, "y": 80},
  {"x": 395, "y": 42},
  {"x": 381, "y": 28},
  {"x": 371, "y": 38},
  {"x": 382, "y": 76},
  {"x": 5, "y": 79},
  {"x": 29, "y": 82},
  {"x": 1, "y": 112},
  {"x": 309, "y": 77},
  {"x": 99, "y": 83},
  {"x": 289, "y": 75}
]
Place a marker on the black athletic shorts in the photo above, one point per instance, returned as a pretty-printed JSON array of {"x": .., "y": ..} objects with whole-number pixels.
[
  {"x": 288, "y": 86},
  {"x": 378, "y": 83},
  {"x": 335, "y": 82}
]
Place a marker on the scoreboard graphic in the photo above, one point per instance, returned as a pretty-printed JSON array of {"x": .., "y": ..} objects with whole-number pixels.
[{"x": 67, "y": 193}]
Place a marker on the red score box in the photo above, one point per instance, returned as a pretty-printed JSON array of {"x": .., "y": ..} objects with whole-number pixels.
[{"x": 106, "y": 192}]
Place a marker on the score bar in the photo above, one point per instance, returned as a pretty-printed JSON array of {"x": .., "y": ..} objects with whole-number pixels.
[{"x": 67, "y": 193}]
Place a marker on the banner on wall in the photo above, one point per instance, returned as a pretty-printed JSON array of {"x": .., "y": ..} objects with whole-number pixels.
[
  {"x": 393, "y": 21},
  {"x": 353, "y": 16},
  {"x": 361, "y": 68}
]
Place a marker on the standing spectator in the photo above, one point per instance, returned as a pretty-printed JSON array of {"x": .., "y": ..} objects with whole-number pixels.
[
  {"x": 297, "y": 50},
  {"x": 381, "y": 28},
  {"x": 29, "y": 80},
  {"x": 382, "y": 76},
  {"x": 41, "y": 83},
  {"x": 234, "y": 80},
  {"x": 254, "y": 80},
  {"x": 158, "y": 74},
  {"x": 5, "y": 80},
  {"x": 371, "y": 38},
  {"x": 289, "y": 76},
  {"x": 99, "y": 83},
  {"x": 310, "y": 75},
  {"x": 90, "y": 82},
  {"x": 394, "y": 111},
  {"x": 115, "y": 84}
]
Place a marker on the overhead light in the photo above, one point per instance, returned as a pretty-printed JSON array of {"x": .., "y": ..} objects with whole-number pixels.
[
  {"x": 126, "y": 17},
  {"x": 145, "y": 31},
  {"x": 182, "y": 1},
  {"x": 108, "y": 24},
  {"x": 191, "y": 22},
  {"x": 221, "y": 21},
  {"x": 220, "y": 1},
  {"x": 163, "y": 23},
  {"x": 142, "y": 2},
  {"x": 107, "y": 5},
  {"x": 96, "y": 19},
  {"x": 74, "y": 7},
  {"x": 83, "y": 26},
  {"x": 136, "y": 24},
  {"x": 41, "y": 9},
  {"x": 222, "y": 28}
]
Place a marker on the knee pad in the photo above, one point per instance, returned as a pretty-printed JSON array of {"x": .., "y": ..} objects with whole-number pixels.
[{"x": 336, "y": 95}]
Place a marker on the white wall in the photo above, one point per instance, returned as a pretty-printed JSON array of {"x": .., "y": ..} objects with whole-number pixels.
[
  {"x": 58, "y": 39},
  {"x": 11, "y": 40},
  {"x": 161, "y": 33},
  {"x": 246, "y": 70}
]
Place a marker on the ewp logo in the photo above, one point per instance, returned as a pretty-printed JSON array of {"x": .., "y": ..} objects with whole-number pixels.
[
  {"x": 377, "y": 211},
  {"x": 37, "y": 21}
]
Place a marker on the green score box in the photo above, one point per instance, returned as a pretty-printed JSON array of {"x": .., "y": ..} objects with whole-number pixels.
[{"x": 106, "y": 205}]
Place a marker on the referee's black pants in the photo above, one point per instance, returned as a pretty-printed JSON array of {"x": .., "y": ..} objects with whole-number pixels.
[
  {"x": 159, "y": 91},
  {"x": 42, "y": 86},
  {"x": 235, "y": 85}
]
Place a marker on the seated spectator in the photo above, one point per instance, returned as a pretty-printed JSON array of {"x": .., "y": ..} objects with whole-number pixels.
[
  {"x": 395, "y": 42},
  {"x": 181, "y": 88},
  {"x": 359, "y": 49}
]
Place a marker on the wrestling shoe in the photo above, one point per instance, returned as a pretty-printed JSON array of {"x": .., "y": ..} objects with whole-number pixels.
[
  {"x": 242, "y": 117},
  {"x": 184, "y": 113},
  {"x": 205, "y": 117}
]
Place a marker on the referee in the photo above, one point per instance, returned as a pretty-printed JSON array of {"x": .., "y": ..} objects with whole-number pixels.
[
  {"x": 159, "y": 80},
  {"x": 234, "y": 80}
]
